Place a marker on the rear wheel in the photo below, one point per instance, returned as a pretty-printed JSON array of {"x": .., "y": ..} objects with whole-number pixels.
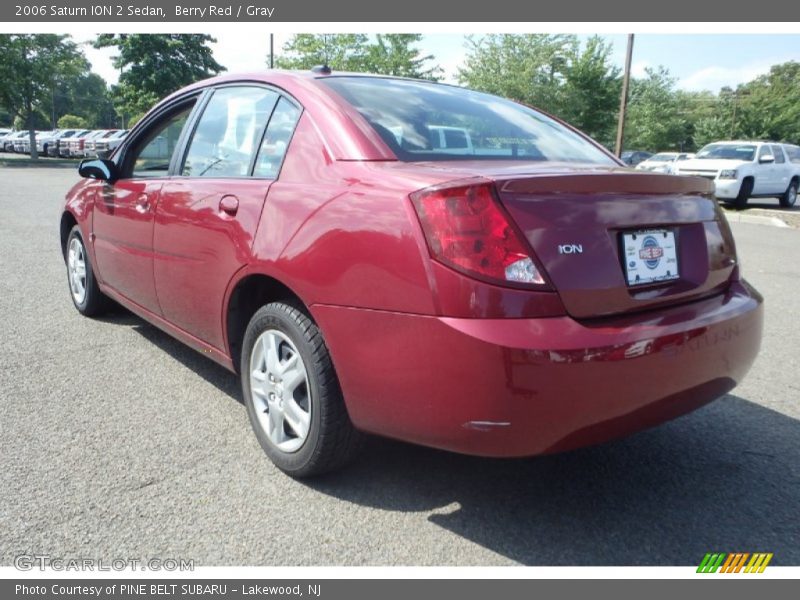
[
  {"x": 790, "y": 195},
  {"x": 86, "y": 295},
  {"x": 292, "y": 394},
  {"x": 744, "y": 194}
]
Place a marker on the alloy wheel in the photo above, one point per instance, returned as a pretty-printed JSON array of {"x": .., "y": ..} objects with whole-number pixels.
[
  {"x": 280, "y": 390},
  {"x": 76, "y": 268}
]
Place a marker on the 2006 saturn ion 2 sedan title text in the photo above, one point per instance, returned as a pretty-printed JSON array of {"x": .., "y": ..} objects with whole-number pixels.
[{"x": 413, "y": 260}]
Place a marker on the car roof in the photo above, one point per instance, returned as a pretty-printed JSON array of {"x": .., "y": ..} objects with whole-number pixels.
[
  {"x": 346, "y": 134},
  {"x": 739, "y": 142}
]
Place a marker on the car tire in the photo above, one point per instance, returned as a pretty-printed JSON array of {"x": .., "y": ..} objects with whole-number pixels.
[
  {"x": 789, "y": 197},
  {"x": 292, "y": 394},
  {"x": 83, "y": 288},
  {"x": 744, "y": 194}
]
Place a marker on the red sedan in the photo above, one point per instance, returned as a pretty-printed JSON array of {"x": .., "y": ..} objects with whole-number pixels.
[{"x": 413, "y": 260}]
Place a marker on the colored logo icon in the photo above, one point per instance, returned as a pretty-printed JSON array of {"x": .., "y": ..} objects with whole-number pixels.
[
  {"x": 735, "y": 562},
  {"x": 651, "y": 252}
]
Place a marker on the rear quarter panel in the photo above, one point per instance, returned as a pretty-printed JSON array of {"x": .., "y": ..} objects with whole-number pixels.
[{"x": 340, "y": 232}]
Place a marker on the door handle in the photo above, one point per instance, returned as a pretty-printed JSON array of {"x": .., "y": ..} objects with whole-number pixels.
[
  {"x": 142, "y": 203},
  {"x": 229, "y": 205}
]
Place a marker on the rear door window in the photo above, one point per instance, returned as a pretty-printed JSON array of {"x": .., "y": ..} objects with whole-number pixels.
[
  {"x": 228, "y": 132},
  {"x": 276, "y": 139},
  {"x": 778, "y": 154}
]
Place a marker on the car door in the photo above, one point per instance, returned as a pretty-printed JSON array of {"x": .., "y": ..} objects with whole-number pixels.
[
  {"x": 208, "y": 215},
  {"x": 764, "y": 182},
  {"x": 782, "y": 169},
  {"x": 124, "y": 210}
]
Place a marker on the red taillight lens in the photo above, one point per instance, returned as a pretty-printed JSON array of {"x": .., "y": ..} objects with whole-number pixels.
[{"x": 466, "y": 230}]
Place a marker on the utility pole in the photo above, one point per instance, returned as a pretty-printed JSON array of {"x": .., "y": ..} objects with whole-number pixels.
[
  {"x": 623, "y": 100},
  {"x": 271, "y": 51}
]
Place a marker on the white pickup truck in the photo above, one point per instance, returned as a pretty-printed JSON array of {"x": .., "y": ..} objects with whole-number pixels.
[{"x": 744, "y": 170}]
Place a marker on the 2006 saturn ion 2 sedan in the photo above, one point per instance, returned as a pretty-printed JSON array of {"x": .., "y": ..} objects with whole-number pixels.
[{"x": 414, "y": 260}]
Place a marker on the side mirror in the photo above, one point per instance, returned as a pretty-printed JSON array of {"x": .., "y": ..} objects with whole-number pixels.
[
  {"x": 766, "y": 158},
  {"x": 98, "y": 168}
]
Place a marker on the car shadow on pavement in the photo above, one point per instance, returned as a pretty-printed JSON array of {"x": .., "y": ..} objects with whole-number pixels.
[
  {"x": 215, "y": 374},
  {"x": 725, "y": 478}
]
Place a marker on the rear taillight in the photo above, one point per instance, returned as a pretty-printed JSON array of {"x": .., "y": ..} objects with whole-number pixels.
[{"x": 467, "y": 230}]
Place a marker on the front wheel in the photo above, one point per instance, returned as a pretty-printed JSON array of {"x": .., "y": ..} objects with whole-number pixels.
[
  {"x": 83, "y": 288},
  {"x": 790, "y": 195},
  {"x": 292, "y": 393},
  {"x": 744, "y": 194}
]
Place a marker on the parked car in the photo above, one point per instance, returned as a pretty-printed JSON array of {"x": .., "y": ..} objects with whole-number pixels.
[
  {"x": 634, "y": 157},
  {"x": 90, "y": 147},
  {"x": 77, "y": 146},
  {"x": 4, "y": 135},
  {"x": 65, "y": 145},
  {"x": 663, "y": 162},
  {"x": 55, "y": 141},
  {"x": 105, "y": 146},
  {"x": 742, "y": 170},
  {"x": 10, "y": 141},
  {"x": 22, "y": 145},
  {"x": 499, "y": 305},
  {"x": 46, "y": 139}
]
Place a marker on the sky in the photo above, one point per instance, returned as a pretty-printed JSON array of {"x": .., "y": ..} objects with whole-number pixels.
[{"x": 698, "y": 61}]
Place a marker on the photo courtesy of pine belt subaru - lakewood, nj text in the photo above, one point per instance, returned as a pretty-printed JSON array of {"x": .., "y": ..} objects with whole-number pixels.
[{"x": 413, "y": 260}]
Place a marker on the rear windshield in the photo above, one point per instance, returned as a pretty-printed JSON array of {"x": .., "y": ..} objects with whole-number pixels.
[
  {"x": 728, "y": 151},
  {"x": 423, "y": 121}
]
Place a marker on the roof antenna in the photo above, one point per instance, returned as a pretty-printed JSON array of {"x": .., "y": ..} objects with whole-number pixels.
[{"x": 322, "y": 69}]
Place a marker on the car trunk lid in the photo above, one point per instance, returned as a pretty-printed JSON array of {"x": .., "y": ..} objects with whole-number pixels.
[{"x": 575, "y": 222}]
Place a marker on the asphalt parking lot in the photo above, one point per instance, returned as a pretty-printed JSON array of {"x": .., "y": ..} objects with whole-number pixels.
[{"x": 117, "y": 441}]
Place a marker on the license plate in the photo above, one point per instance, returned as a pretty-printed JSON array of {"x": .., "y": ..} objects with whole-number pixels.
[{"x": 651, "y": 256}]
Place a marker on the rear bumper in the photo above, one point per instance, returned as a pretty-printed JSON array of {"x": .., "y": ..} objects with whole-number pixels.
[{"x": 520, "y": 387}]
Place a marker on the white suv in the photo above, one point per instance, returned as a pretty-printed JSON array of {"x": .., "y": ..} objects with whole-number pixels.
[{"x": 744, "y": 170}]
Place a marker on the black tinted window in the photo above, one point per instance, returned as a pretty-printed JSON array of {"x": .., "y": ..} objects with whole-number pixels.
[{"x": 419, "y": 120}]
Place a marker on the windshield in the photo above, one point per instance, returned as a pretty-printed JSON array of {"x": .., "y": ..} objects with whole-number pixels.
[
  {"x": 423, "y": 121},
  {"x": 728, "y": 151}
]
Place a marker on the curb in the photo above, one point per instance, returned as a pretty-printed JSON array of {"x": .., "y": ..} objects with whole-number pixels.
[{"x": 737, "y": 217}]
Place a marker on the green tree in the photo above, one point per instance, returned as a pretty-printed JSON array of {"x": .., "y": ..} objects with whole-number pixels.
[
  {"x": 6, "y": 118},
  {"x": 72, "y": 122},
  {"x": 551, "y": 72},
  {"x": 707, "y": 116},
  {"x": 529, "y": 68},
  {"x": 768, "y": 107},
  {"x": 395, "y": 54},
  {"x": 155, "y": 65},
  {"x": 388, "y": 54},
  {"x": 31, "y": 67},
  {"x": 591, "y": 91},
  {"x": 655, "y": 121},
  {"x": 343, "y": 52},
  {"x": 87, "y": 96}
]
